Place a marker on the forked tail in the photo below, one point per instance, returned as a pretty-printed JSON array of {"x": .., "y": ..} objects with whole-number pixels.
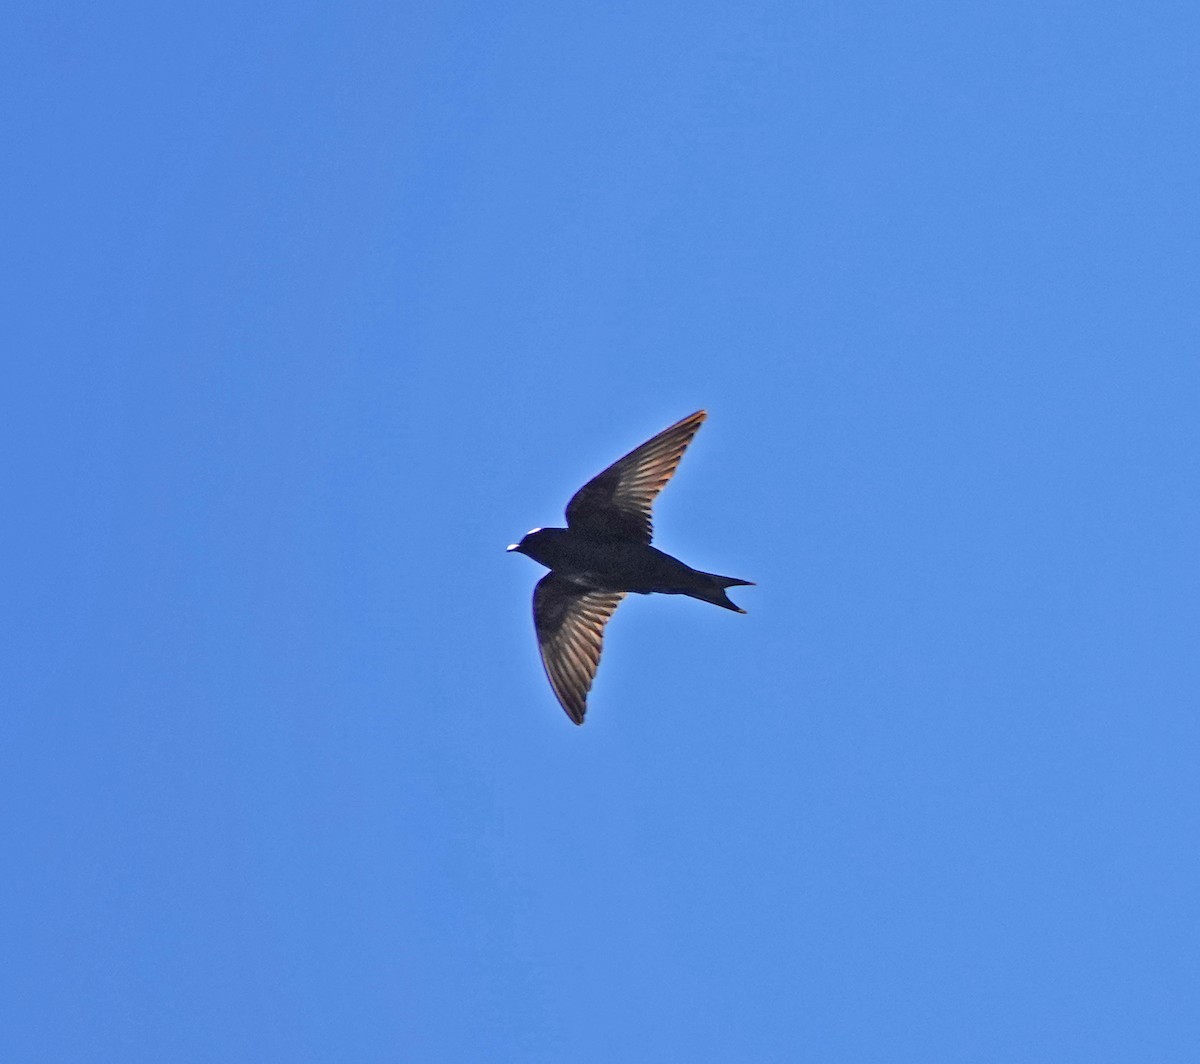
[{"x": 714, "y": 590}]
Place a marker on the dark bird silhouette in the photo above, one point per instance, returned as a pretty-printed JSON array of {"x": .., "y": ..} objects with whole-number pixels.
[{"x": 602, "y": 555}]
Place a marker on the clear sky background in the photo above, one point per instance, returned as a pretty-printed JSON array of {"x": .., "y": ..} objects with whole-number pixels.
[{"x": 311, "y": 309}]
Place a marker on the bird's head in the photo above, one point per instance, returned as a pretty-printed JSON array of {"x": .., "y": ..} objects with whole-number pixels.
[
  {"x": 534, "y": 543},
  {"x": 526, "y": 541}
]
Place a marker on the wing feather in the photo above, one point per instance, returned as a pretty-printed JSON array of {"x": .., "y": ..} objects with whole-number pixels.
[
  {"x": 618, "y": 502},
  {"x": 570, "y": 624}
]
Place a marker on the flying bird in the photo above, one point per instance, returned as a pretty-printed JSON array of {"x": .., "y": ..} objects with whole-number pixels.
[{"x": 602, "y": 555}]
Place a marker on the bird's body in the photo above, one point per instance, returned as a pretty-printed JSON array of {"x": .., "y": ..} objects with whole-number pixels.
[
  {"x": 603, "y": 554},
  {"x": 593, "y": 563}
]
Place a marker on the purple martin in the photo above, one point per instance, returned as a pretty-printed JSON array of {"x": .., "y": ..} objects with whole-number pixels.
[{"x": 602, "y": 555}]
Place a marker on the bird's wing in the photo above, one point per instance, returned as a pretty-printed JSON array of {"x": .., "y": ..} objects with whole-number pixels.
[
  {"x": 570, "y": 630},
  {"x": 618, "y": 501}
]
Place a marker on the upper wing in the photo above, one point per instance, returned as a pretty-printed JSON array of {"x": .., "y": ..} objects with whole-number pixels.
[
  {"x": 618, "y": 501},
  {"x": 570, "y": 630}
]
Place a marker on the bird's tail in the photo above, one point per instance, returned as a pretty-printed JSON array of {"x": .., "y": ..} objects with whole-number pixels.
[{"x": 713, "y": 590}]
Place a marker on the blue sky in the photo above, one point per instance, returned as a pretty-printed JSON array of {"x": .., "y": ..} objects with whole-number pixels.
[{"x": 312, "y": 309}]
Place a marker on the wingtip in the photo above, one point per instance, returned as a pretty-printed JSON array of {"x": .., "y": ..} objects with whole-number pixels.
[{"x": 690, "y": 424}]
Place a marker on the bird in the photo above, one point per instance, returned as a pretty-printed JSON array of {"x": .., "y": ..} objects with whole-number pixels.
[{"x": 604, "y": 554}]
